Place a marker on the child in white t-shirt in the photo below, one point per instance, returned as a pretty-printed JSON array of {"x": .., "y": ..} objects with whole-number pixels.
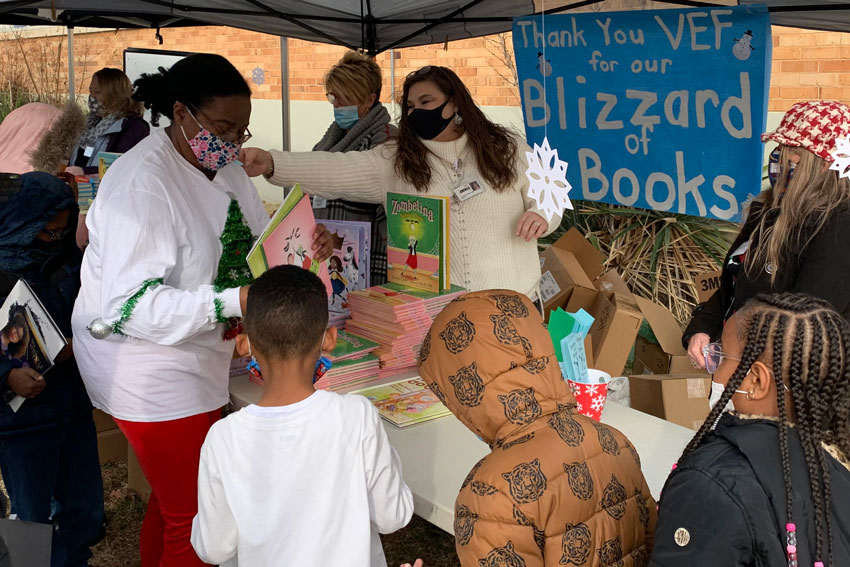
[{"x": 304, "y": 477}]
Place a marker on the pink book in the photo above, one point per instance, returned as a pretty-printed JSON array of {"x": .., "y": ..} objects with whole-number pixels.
[{"x": 291, "y": 243}]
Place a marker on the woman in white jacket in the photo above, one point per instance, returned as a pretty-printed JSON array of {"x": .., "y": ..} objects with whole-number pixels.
[
  {"x": 165, "y": 272},
  {"x": 444, "y": 144}
]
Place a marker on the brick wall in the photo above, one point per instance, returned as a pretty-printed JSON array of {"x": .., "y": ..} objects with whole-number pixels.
[
  {"x": 809, "y": 65},
  {"x": 806, "y": 64}
]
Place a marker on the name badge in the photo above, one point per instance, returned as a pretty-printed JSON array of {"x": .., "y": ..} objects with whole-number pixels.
[
  {"x": 88, "y": 151},
  {"x": 468, "y": 190}
]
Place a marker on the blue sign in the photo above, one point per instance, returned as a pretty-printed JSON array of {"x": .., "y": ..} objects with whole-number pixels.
[{"x": 657, "y": 109}]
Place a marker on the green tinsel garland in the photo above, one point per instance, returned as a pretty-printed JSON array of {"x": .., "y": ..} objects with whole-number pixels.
[
  {"x": 126, "y": 310},
  {"x": 236, "y": 241},
  {"x": 219, "y": 310}
]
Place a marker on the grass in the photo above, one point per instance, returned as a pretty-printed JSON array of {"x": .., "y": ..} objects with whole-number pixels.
[{"x": 125, "y": 511}]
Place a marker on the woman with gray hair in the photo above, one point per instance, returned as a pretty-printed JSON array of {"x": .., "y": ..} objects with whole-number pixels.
[{"x": 361, "y": 122}]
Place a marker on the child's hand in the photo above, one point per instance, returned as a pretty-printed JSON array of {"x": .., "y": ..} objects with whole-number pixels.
[
  {"x": 25, "y": 382},
  {"x": 418, "y": 563}
]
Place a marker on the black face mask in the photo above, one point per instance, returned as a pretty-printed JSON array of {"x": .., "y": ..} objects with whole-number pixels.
[{"x": 428, "y": 124}]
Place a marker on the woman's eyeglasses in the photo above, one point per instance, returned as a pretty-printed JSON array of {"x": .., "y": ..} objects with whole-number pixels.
[
  {"x": 54, "y": 235},
  {"x": 714, "y": 355},
  {"x": 232, "y": 137}
]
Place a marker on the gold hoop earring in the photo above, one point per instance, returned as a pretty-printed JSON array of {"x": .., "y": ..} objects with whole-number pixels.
[{"x": 750, "y": 395}]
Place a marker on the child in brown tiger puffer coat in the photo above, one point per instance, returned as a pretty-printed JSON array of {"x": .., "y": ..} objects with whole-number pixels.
[{"x": 557, "y": 487}]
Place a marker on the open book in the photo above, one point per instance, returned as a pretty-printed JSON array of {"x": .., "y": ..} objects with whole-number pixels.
[
  {"x": 288, "y": 239},
  {"x": 29, "y": 337}
]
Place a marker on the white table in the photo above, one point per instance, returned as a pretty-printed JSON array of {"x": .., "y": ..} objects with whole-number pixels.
[{"x": 438, "y": 454}]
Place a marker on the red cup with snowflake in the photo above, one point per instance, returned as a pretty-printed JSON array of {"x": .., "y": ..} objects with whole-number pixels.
[{"x": 590, "y": 396}]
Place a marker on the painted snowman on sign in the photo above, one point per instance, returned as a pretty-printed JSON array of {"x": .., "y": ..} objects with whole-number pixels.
[{"x": 743, "y": 47}]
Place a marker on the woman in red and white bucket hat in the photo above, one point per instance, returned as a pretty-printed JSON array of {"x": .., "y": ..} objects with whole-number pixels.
[{"x": 797, "y": 234}]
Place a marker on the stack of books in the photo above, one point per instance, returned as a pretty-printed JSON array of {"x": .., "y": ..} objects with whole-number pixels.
[
  {"x": 397, "y": 318},
  {"x": 353, "y": 363}
]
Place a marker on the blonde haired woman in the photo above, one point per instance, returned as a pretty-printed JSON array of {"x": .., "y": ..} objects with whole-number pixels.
[
  {"x": 795, "y": 236},
  {"x": 115, "y": 122},
  {"x": 361, "y": 122}
]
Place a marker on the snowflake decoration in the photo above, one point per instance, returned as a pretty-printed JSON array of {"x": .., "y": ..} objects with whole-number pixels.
[
  {"x": 590, "y": 389},
  {"x": 575, "y": 389},
  {"x": 841, "y": 155},
  {"x": 579, "y": 407},
  {"x": 258, "y": 76},
  {"x": 547, "y": 176},
  {"x": 597, "y": 403}
]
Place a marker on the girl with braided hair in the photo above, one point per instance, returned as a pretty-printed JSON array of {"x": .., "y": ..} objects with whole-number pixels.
[{"x": 762, "y": 485}]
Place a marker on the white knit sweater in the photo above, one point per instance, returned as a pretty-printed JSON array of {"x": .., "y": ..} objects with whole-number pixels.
[{"x": 484, "y": 254}]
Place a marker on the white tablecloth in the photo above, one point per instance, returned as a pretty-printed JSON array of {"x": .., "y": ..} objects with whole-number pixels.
[{"x": 438, "y": 454}]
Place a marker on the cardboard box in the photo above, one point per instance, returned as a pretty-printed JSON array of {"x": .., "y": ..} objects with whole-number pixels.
[
  {"x": 668, "y": 356},
  {"x": 560, "y": 273},
  {"x": 679, "y": 398},
  {"x": 589, "y": 258},
  {"x": 111, "y": 446},
  {"x": 103, "y": 421},
  {"x": 135, "y": 477},
  {"x": 574, "y": 278},
  {"x": 616, "y": 324},
  {"x": 707, "y": 284}
]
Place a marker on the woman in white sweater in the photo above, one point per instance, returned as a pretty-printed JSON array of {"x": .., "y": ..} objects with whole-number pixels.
[{"x": 444, "y": 143}]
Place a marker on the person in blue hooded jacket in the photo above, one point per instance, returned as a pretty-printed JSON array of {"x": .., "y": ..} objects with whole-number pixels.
[{"x": 48, "y": 447}]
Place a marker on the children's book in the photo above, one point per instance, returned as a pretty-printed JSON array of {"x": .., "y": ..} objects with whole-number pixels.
[
  {"x": 349, "y": 266},
  {"x": 86, "y": 191},
  {"x": 105, "y": 161},
  {"x": 30, "y": 337},
  {"x": 418, "y": 241},
  {"x": 288, "y": 239},
  {"x": 349, "y": 346},
  {"x": 406, "y": 402}
]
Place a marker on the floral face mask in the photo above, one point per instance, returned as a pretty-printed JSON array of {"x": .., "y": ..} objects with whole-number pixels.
[{"x": 213, "y": 151}]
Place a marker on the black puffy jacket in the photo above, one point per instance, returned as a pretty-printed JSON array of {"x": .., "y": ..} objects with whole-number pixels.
[
  {"x": 820, "y": 270},
  {"x": 724, "y": 506}
]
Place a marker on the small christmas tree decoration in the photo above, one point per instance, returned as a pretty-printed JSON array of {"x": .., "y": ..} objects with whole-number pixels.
[
  {"x": 547, "y": 176},
  {"x": 236, "y": 241}
]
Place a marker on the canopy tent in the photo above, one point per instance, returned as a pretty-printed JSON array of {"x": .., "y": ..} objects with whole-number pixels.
[{"x": 371, "y": 25}]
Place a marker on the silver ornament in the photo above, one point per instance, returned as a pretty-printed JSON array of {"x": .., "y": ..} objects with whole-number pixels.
[{"x": 99, "y": 329}]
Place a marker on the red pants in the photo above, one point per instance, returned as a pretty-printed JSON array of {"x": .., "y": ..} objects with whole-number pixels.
[{"x": 169, "y": 452}]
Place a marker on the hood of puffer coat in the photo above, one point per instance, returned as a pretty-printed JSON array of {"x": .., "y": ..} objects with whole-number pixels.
[{"x": 491, "y": 361}]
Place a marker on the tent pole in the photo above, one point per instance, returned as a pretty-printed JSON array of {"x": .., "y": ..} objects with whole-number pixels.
[
  {"x": 71, "y": 87},
  {"x": 284, "y": 92}
]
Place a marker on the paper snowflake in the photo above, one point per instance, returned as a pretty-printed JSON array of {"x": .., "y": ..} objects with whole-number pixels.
[
  {"x": 841, "y": 155},
  {"x": 547, "y": 176},
  {"x": 597, "y": 403},
  {"x": 258, "y": 76},
  {"x": 590, "y": 389}
]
